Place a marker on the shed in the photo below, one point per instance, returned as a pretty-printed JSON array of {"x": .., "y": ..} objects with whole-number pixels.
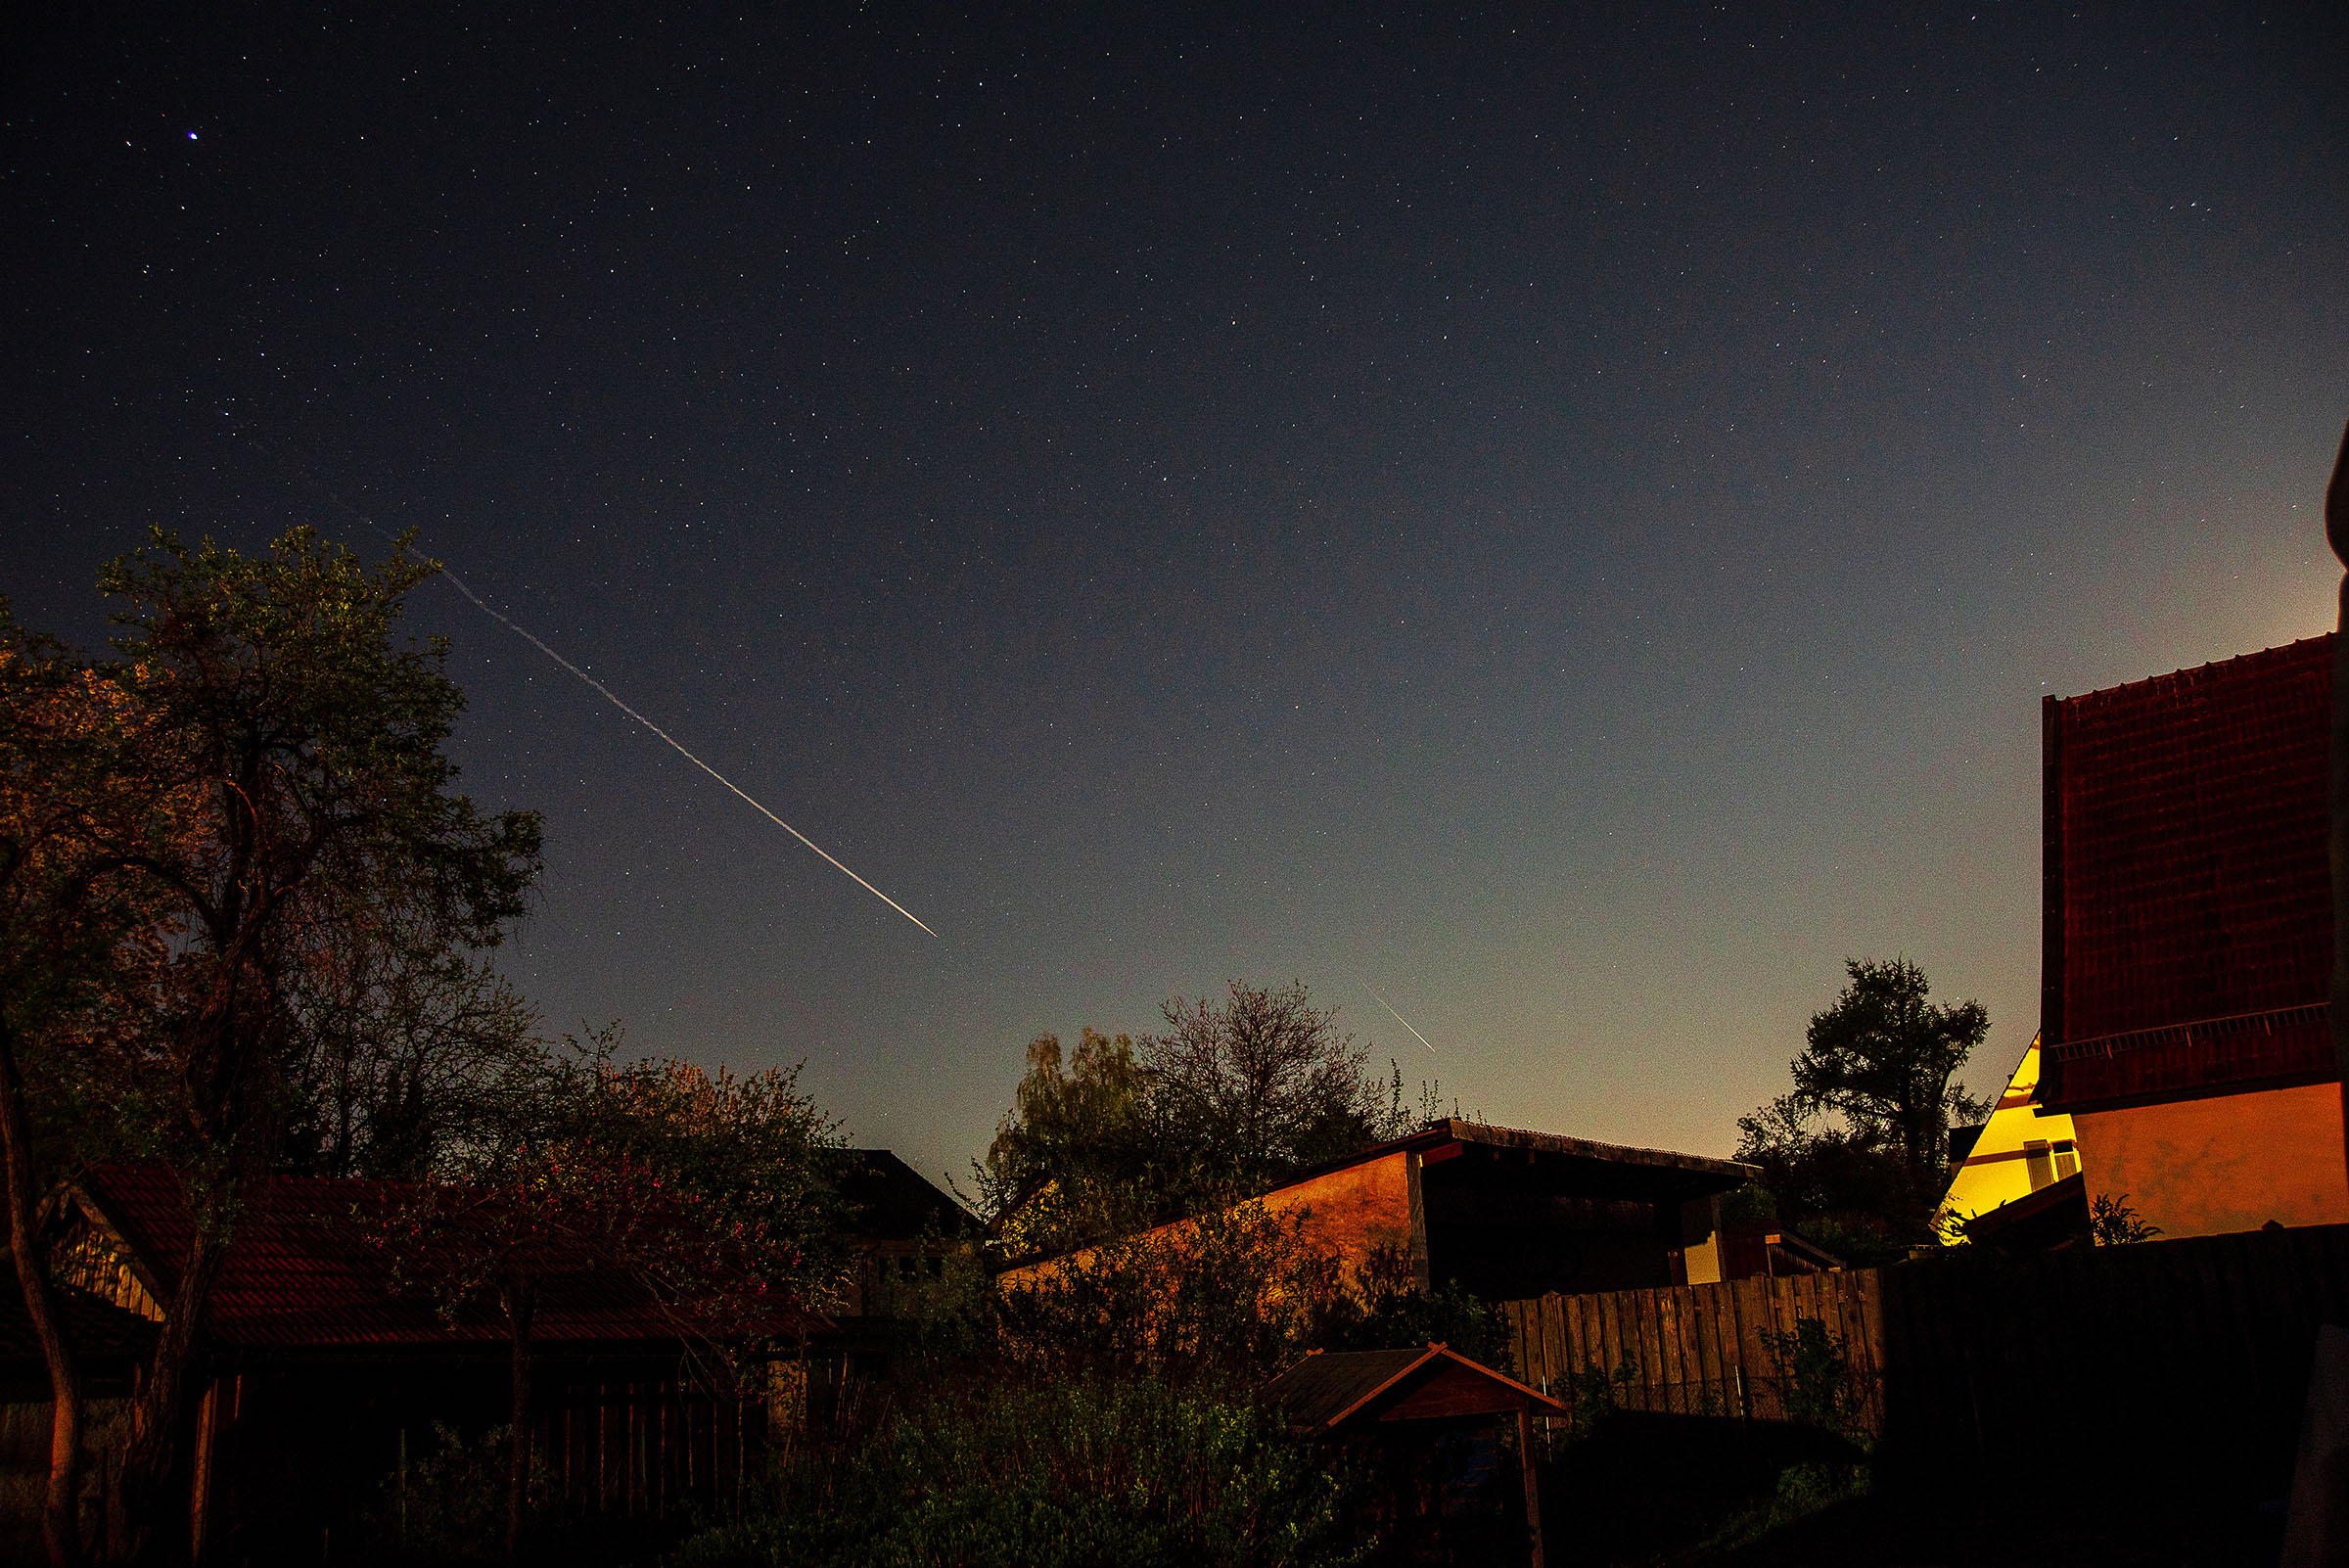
[
  {"x": 1508, "y": 1214},
  {"x": 1406, "y": 1401},
  {"x": 315, "y": 1368}
]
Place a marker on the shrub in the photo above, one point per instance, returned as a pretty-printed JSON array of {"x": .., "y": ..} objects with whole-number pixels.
[
  {"x": 2115, "y": 1223},
  {"x": 1381, "y": 1308},
  {"x": 449, "y": 1504},
  {"x": 1054, "y": 1474},
  {"x": 1228, "y": 1293},
  {"x": 1815, "y": 1379}
]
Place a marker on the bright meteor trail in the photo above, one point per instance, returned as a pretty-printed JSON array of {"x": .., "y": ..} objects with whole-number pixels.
[
  {"x": 1383, "y": 1003},
  {"x": 606, "y": 693},
  {"x": 302, "y": 473}
]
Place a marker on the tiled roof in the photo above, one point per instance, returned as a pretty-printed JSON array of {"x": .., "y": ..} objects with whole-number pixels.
[
  {"x": 301, "y": 1271},
  {"x": 2186, "y": 876}
]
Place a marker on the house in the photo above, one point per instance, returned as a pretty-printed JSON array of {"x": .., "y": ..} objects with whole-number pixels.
[
  {"x": 318, "y": 1374},
  {"x": 1509, "y": 1214},
  {"x": 2186, "y": 945},
  {"x": 907, "y": 1238},
  {"x": 2023, "y": 1149},
  {"x": 903, "y": 1230},
  {"x": 109, "y": 1346}
]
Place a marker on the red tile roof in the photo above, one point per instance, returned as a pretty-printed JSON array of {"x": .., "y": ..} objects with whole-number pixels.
[
  {"x": 2186, "y": 883},
  {"x": 302, "y": 1272}
]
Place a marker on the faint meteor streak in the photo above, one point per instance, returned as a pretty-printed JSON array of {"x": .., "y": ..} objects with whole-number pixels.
[
  {"x": 1382, "y": 1001},
  {"x": 606, "y": 693}
]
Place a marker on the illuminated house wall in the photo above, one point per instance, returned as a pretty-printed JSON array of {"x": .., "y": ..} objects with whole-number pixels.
[
  {"x": 2021, "y": 1148},
  {"x": 2187, "y": 937}
]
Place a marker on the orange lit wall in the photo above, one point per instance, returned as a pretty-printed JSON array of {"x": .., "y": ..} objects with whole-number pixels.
[
  {"x": 1351, "y": 1213},
  {"x": 2226, "y": 1162},
  {"x": 1348, "y": 1213}
]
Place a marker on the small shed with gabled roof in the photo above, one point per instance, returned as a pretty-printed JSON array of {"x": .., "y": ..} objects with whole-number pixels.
[{"x": 1405, "y": 1403}]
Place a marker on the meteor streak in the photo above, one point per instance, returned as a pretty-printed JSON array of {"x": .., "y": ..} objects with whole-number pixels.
[
  {"x": 301, "y": 473},
  {"x": 606, "y": 693},
  {"x": 1382, "y": 1001}
]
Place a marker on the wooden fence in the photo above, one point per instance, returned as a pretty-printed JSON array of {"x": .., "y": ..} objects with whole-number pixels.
[
  {"x": 2166, "y": 1352},
  {"x": 631, "y": 1450},
  {"x": 1699, "y": 1350}
]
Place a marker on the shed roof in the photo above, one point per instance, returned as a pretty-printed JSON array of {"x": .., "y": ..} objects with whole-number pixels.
[
  {"x": 1328, "y": 1391},
  {"x": 300, "y": 1272},
  {"x": 1594, "y": 1169}
]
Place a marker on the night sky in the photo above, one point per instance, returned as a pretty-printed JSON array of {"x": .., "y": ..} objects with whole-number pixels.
[{"x": 1564, "y": 520}]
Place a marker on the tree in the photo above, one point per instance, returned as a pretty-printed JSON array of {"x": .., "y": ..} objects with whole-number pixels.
[
  {"x": 701, "y": 1190},
  {"x": 404, "y": 1047},
  {"x": 1261, "y": 1087},
  {"x": 1884, "y": 1057},
  {"x": 1233, "y": 1098},
  {"x": 1858, "y": 1146},
  {"x": 1077, "y": 1159},
  {"x": 79, "y": 951},
  {"x": 294, "y": 747}
]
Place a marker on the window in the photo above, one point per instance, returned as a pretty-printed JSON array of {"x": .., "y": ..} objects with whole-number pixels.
[
  {"x": 2067, "y": 1159},
  {"x": 2041, "y": 1163}
]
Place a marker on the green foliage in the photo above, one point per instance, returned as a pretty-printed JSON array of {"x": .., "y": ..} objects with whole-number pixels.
[
  {"x": 299, "y": 806},
  {"x": 1883, "y": 1058},
  {"x": 1078, "y": 1159},
  {"x": 1592, "y": 1392},
  {"x": 1230, "y": 1292},
  {"x": 1056, "y": 1474},
  {"x": 1815, "y": 1379},
  {"x": 1381, "y": 1309},
  {"x": 1853, "y": 1155},
  {"x": 1233, "y": 1098},
  {"x": 449, "y": 1504},
  {"x": 743, "y": 1152},
  {"x": 2115, "y": 1223}
]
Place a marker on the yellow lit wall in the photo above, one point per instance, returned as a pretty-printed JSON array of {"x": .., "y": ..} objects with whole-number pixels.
[{"x": 2018, "y": 1152}]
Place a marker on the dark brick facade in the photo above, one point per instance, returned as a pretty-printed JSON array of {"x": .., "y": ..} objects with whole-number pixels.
[{"x": 2188, "y": 924}]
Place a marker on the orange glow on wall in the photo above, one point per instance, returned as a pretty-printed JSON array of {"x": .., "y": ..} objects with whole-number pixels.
[{"x": 2226, "y": 1162}]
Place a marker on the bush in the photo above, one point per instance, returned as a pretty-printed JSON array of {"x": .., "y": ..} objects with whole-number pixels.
[
  {"x": 1226, "y": 1294},
  {"x": 1815, "y": 1379},
  {"x": 449, "y": 1503},
  {"x": 1053, "y": 1474}
]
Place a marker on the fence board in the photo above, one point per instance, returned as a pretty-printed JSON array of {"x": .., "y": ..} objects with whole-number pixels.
[{"x": 2173, "y": 1344}]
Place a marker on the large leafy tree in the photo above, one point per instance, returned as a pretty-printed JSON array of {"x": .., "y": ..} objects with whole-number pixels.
[
  {"x": 1886, "y": 1058},
  {"x": 291, "y": 746},
  {"x": 1859, "y": 1140},
  {"x": 1078, "y": 1158}
]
